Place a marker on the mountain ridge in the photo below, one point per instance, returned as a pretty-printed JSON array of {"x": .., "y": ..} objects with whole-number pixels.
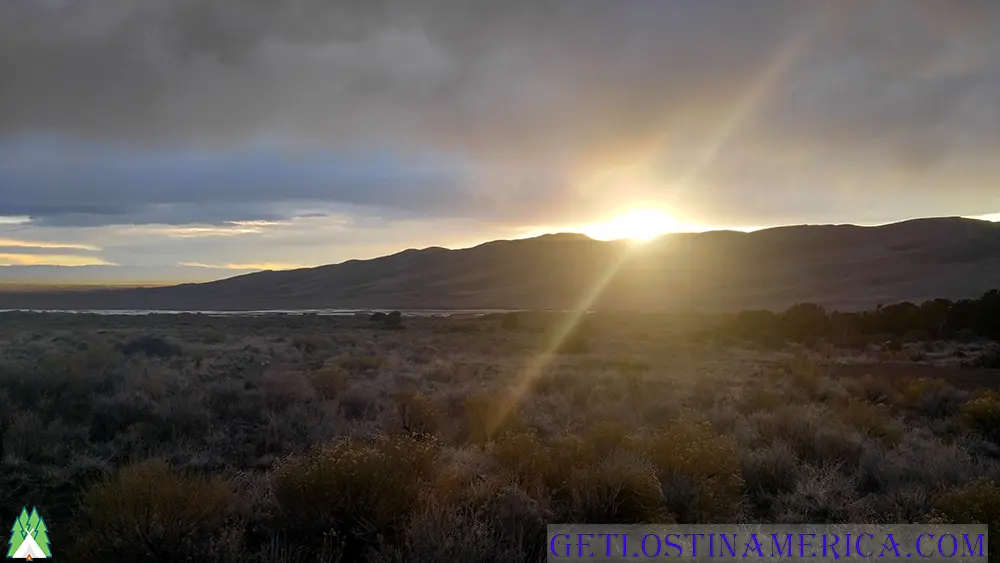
[{"x": 844, "y": 266}]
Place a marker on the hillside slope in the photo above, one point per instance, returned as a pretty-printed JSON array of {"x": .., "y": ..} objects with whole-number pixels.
[{"x": 843, "y": 266}]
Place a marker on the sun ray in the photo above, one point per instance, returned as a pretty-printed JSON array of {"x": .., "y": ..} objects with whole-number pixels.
[
  {"x": 542, "y": 360},
  {"x": 777, "y": 66},
  {"x": 773, "y": 72}
]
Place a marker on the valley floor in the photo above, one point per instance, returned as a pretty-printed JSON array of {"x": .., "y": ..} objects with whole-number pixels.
[{"x": 280, "y": 439}]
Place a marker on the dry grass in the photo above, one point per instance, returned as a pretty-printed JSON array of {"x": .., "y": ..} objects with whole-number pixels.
[{"x": 284, "y": 439}]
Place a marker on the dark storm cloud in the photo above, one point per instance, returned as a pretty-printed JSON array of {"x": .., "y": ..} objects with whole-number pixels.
[
  {"x": 515, "y": 99},
  {"x": 484, "y": 72}
]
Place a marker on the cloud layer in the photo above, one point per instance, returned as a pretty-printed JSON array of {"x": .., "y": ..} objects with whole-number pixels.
[{"x": 498, "y": 114}]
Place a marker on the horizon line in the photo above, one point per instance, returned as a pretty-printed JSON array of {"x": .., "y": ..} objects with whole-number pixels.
[{"x": 134, "y": 283}]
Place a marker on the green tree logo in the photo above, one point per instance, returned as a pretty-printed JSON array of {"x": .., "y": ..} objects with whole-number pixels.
[{"x": 29, "y": 537}]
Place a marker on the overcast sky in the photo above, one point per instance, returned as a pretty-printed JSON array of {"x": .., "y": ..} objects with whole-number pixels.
[{"x": 185, "y": 139}]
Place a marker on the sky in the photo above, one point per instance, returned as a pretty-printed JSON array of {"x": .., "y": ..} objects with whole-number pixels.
[{"x": 176, "y": 140}]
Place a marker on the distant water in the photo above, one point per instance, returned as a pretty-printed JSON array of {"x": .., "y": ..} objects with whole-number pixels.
[{"x": 286, "y": 312}]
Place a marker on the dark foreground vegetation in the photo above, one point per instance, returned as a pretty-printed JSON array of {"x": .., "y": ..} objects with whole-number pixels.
[
  {"x": 938, "y": 319},
  {"x": 307, "y": 438}
]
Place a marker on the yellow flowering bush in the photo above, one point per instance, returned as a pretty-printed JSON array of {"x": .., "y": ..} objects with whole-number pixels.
[
  {"x": 699, "y": 470},
  {"x": 352, "y": 488},
  {"x": 982, "y": 414}
]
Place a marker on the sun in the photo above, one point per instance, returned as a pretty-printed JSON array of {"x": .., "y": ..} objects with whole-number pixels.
[{"x": 638, "y": 225}]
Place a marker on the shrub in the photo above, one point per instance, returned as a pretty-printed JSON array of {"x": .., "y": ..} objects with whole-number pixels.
[
  {"x": 359, "y": 403},
  {"x": 965, "y": 336},
  {"x": 510, "y": 321},
  {"x": 699, "y": 471},
  {"x": 281, "y": 390},
  {"x": 62, "y": 386},
  {"x": 561, "y": 338},
  {"x": 876, "y": 390},
  {"x": 488, "y": 415},
  {"x": 982, "y": 415},
  {"x": 574, "y": 343},
  {"x": 823, "y": 494},
  {"x": 152, "y": 346},
  {"x": 351, "y": 491},
  {"x": 852, "y": 341},
  {"x": 466, "y": 328},
  {"x": 633, "y": 381},
  {"x": 213, "y": 336},
  {"x": 100, "y": 356},
  {"x": 606, "y": 436},
  {"x": 329, "y": 382},
  {"x": 21, "y": 436},
  {"x": 417, "y": 414},
  {"x": 907, "y": 504},
  {"x": 757, "y": 398},
  {"x": 757, "y": 325},
  {"x": 523, "y": 456},
  {"x": 704, "y": 392},
  {"x": 442, "y": 371},
  {"x": 618, "y": 490},
  {"x": 567, "y": 454},
  {"x": 990, "y": 358},
  {"x": 361, "y": 364},
  {"x": 309, "y": 343},
  {"x": 977, "y": 502},
  {"x": 113, "y": 413},
  {"x": 930, "y": 397},
  {"x": 804, "y": 322},
  {"x": 393, "y": 320},
  {"x": 494, "y": 522},
  {"x": 805, "y": 375},
  {"x": 770, "y": 470},
  {"x": 810, "y": 435},
  {"x": 149, "y": 512},
  {"x": 874, "y": 421}
]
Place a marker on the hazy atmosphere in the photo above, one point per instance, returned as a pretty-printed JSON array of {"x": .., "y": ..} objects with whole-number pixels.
[
  {"x": 410, "y": 281},
  {"x": 187, "y": 140}
]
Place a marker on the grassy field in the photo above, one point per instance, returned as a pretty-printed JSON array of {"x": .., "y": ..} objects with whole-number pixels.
[{"x": 281, "y": 439}]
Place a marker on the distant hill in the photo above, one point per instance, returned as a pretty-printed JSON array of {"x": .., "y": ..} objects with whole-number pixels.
[{"x": 842, "y": 266}]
